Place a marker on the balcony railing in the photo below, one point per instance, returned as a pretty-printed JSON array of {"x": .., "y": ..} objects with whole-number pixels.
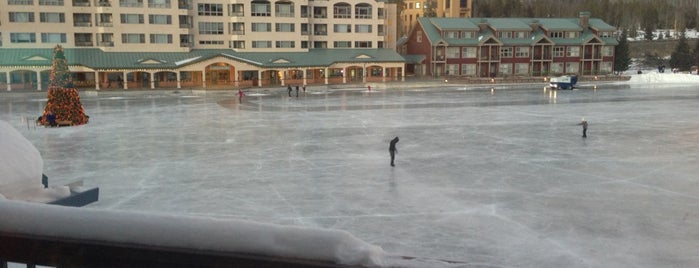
[
  {"x": 83, "y": 43},
  {"x": 82, "y": 24}
]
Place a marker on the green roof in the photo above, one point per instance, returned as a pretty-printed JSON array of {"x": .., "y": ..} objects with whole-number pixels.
[
  {"x": 97, "y": 59},
  {"x": 432, "y": 26}
]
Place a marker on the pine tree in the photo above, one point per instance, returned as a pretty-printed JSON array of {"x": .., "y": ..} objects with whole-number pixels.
[
  {"x": 682, "y": 58},
  {"x": 622, "y": 58},
  {"x": 63, "y": 98}
]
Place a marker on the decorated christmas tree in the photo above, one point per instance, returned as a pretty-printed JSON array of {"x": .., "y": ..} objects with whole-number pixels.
[{"x": 63, "y": 98}]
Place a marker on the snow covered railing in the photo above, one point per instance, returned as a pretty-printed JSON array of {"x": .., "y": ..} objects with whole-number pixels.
[{"x": 82, "y": 237}]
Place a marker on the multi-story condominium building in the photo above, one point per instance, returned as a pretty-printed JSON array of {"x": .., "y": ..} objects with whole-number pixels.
[
  {"x": 414, "y": 9},
  {"x": 488, "y": 47},
  {"x": 199, "y": 43}
]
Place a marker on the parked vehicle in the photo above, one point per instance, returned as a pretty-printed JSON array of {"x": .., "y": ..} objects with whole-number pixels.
[{"x": 563, "y": 82}]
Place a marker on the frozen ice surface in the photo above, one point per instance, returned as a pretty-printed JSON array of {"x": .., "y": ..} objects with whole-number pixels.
[{"x": 497, "y": 177}]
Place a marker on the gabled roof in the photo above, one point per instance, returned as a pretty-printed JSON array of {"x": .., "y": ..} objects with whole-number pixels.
[
  {"x": 600, "y": 25},
  {"x": 508, "y": 24},
  {"x": 97, "y": 59},
  {"x": 431, "y": 27},
  {"x": 560, "y": 24},
  {"x": 462, "y": 24}
]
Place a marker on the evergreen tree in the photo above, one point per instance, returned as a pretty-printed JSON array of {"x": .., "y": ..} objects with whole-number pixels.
[
  {"x": 63, "y": 98},
  {"x": 622, "y": 58},
  {"x": 682, "y": 58},
  {"x": 696, "y": 53}
]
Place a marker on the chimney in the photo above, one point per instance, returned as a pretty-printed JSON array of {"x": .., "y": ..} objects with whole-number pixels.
[
  {"x": 585, "y": 19},
  {"x": 483, "y": 25},
  {"x": 534, "y": 24}
]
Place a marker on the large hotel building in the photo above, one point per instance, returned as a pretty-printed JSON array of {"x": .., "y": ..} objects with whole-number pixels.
[
  {"x": 199, "y": 43},
  {"x": 146, "y": 44}
]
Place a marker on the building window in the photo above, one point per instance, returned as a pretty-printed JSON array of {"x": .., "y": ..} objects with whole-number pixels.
[
  {"x": 236, "y": 10},
  {"x": 159, "y": 3},
  {"x": 106, "y": 39},
  {"x": 239, "y": 44},
  {"x": 320, "y": 12},
  {"x": 342, "y": 44},
  {"x": 304, "y": 44},
  {"x": 572, "y": 67},
  {"x": 20, "y": 3},
  {"x": 362, "y": 11},
  {"x": 131, "y": 3},
  {"x": 50, "y": 2},
  {"x": 262, "y": 44},
  {"x": 284, "y": 10},
  {"x": 453, "y": 52},
  {"x": 557, "y": 68},
  {"x": 559, "y": 51},
  {"x": 22, "y": 38},
  {"x": 504, "y": 34},
  {"x": 362, "y": 28},
  {"x": 342, "y": 28},
  {"x": 133, "y": 38},
  {"x": 452, "y": 69},
  {"x": 82, "y": 19},
  {"x": 320, "y": 29},
  {"x": 285, "y": 27},
  {"x": 522, "y": 52},
  {"x": 452, "y": 34},
  {"x": 304, "y": 11},
  {"x": 304, "y": 29},
  {"x": 607, "y": 51},
  {"x": 418, "y": 36},
  {"x": 285, "y": 44},
  {"x": 468, "y": 69},
  {"x": 380, "y": 29},
  {"x": 362, "y": 44},
  {"x": 606, "y": 67},
  {"x": 320, "y": 44},
  {"x": 261, "y": 27},
  {"x": 160, "y": 19},
  {"x": 186, "y": 40},
  {"x": 572, "y": 35},
  {"x": 237, "y": 28},
  {"x": 260, "y": 9},
  {"x": 505, "y": 69},
  {"x": 161, "y": 39},
  {"x": 468, "y": 52},
  {"x": 556, "y": 34},
  {"x": 573, "y": 52},
  {"x": 342, "y": 11},
  {"x": 211, "y": 42},
  {"x": 83, "y": 39},
  {"x": 522, "y": 68},
  {"x": 210, "y": 9},
  {"x": 506, "y": 52},
  {"x": 51, "y": 17},
  {"x": 606, "y": 34},
  {"x": 132, "y": 18},
  {"x": 380, "y": 44},
  {"x": 21, "y": 16},
  {"x": 521, "y": 35},
  {"x": 211, "y": 28},
  {"x": 468, "y": 35}
]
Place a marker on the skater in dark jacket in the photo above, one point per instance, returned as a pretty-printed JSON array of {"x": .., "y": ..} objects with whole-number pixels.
[
  {"x": 583, "y": 123},
  {"x": 392, "y": 150},
  {"x": 288, "y": 87}
]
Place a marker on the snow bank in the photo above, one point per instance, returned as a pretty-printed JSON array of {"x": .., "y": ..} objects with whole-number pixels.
[
  {"x": 183, "y": 232},
  {"x": 664, "y": 78},
  {"x": 21, "y": 168}
]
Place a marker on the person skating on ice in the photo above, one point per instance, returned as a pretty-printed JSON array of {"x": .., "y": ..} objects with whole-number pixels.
[
  {"x": 392, "y": 150},
  {"x": 583, "y": 123}
]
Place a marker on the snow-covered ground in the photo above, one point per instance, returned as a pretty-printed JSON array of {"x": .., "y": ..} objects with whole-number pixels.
[{"x": 495, "y": 177}]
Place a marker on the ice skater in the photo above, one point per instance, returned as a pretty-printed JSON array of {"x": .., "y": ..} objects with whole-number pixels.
[
  {"x": 392, "y": 150},
  {"x": 583, "y": 123},
  {"x": 297, "y": 91},
  {"x": 240, "y": 95},
  {"x": 288, "y": 87}
]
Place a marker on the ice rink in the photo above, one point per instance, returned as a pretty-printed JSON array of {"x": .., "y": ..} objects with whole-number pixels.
[{"x": 487, "y": 177}]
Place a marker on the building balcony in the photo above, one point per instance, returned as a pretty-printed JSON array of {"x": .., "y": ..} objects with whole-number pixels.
[
  {"x": 83, "y": 43},
  {"x": 82, "y": 24}
]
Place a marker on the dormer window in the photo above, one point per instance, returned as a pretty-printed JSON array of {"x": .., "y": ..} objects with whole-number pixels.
[
  {"x": 521, "y": 35},
  {"x": 572, "y": 34},
  {"x": 556, "y": 34},
  {"x": 504, "y": 34}
]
